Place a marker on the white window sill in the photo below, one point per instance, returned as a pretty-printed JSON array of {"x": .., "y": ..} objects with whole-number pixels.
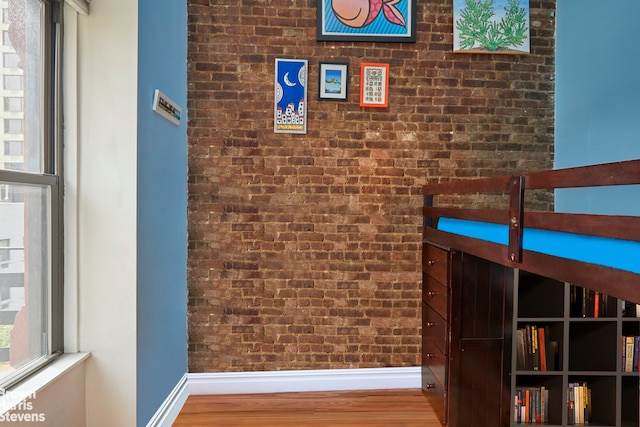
[{"x": 37, "y": 382}]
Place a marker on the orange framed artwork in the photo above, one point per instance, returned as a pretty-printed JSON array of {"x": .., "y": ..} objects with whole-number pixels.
[{"x": 374, "y": 85}]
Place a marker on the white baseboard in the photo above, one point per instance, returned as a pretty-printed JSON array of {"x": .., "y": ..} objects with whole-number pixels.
[
  {"x": 170, "y": 408},
  {"x": 307, "y": 380}
]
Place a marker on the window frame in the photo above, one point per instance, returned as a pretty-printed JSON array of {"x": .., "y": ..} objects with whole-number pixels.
[{"x": 53, "y": 178}]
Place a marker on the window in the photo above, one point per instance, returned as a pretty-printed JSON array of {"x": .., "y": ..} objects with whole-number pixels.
[
  {"x": 10, "y": 194},
  {"x": 10, "y": 60},
  {"x": 13, "y": 126},
  {"x": 13, "y": 148},
  {"x": 12, "y": 82},
  {"x": 13, "y": 104},
  {"x": 4, "y": 253},
  {"x": 30, "y": 188},
  {"x": 14, "y": 166}
]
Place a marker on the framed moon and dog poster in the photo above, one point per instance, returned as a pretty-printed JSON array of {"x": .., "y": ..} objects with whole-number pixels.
[{"x": 290, "y": 105}]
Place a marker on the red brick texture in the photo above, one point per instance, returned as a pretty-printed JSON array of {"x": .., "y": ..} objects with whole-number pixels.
[{"x": 304, "y": 250}]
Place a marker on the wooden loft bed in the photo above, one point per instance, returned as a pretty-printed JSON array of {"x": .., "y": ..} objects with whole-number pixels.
[
  {"x": 616, "y": 279},
  {"x": 489, "y": 274}
]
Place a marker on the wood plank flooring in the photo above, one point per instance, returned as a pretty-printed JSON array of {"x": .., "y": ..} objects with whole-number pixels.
[{"x": 388, "y": 408}]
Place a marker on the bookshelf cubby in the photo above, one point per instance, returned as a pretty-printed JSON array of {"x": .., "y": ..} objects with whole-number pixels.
[{"x": 590, "y": 330}]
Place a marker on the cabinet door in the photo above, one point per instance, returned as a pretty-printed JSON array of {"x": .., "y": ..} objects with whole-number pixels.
[{"x": 480, "y": 348}]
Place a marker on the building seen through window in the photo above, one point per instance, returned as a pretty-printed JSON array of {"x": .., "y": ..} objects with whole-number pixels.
[{"x": 30, "y": 197}]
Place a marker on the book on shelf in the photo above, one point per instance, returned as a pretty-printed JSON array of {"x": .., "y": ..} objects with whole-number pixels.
[
  {"x": 630, "y": 353},
  {"x": 535, "y": 351},
  {"x": 630, "y": 309},
  {"x": 574, "y": 303},
  {"x": 528, "y": 348},
  {"x": 537, "y": 398},
  {"x": 589, "y": 406},
  {"x": 523, "y": 349},
  {"x": 579, "y": 403},
  {"x": 636, "y": 353},
  {"x": 571, "y": 403},
  {"x": 520, "y": 350},
  {"x": 628, "y": 366},
  {"x": 542, "y": 349},
  {"x": 587, "y": 303},
  {"x": 531, "y": 405},
  {"x": 545, "y": 409},
  {"x": 552, "y": 355}
]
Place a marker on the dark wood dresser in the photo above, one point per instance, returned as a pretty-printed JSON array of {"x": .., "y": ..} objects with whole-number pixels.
[
  {"x": 466, "y": 337},
  {"x": 435, "y": 326}
]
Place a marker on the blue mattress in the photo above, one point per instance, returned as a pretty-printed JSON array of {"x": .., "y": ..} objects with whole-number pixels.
[{"x": 615, "y": 253}]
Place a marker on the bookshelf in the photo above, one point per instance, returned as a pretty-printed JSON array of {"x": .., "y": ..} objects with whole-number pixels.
[{"x": 585, "y": 332}]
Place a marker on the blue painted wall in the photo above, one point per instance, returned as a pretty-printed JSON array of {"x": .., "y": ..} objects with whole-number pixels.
[
  {"x": 597, "y": 97},
  {"x": 162, "y": 206}
]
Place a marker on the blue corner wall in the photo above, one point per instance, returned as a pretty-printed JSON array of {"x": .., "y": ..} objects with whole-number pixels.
[
  {"x": 162, "y": 206},
  {"x": 597, "y": 97}
]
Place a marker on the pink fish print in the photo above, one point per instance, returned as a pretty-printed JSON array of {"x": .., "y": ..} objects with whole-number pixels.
[{"x": 360, "y": 13}]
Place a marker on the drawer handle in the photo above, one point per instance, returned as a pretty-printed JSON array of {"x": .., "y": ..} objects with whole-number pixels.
[
  {"x": 432, "y": 293},
  {"x": 429, "y": 324},
  {"x": 431, "y": 262},
  {"x": 429, "y": 355},
  {"x": 429, "y": 386}
]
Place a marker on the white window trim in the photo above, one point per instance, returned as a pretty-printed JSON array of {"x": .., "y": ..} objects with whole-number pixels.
[
  {"x": 70, "y": 137},
  {"x": 30, "y": 388},
  {"x": 80, "y": 6}
]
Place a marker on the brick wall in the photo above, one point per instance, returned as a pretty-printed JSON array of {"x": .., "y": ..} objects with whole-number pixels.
[{"x": 304, "y": 249}]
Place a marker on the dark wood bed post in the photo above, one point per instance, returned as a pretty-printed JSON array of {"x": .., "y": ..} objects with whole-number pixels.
[
  {"x": 516, "y": 214},
  {"x": 428, "y": 220}
]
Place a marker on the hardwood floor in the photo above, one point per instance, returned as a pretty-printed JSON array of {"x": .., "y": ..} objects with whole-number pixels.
[{"x": 388, "y": 408}]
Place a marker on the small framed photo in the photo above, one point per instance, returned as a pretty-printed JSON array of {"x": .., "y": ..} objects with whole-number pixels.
[
  {"x": 333, "y": 81},
  {"x": 374, "y": 85}
]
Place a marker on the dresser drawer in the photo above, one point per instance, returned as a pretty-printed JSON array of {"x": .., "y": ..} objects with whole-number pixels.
[
  {"x": 434, "y": 328},
  {"x": 434, "y": 263},
  {"x": 435, "y": 360},
  {"x": 435, "y": 295},
  {"x": 436, "y": 395}
]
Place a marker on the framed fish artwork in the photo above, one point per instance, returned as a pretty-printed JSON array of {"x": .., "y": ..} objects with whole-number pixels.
[
  {"x": 366, "y": 20},
  {"x": 290, "y": 103}
]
